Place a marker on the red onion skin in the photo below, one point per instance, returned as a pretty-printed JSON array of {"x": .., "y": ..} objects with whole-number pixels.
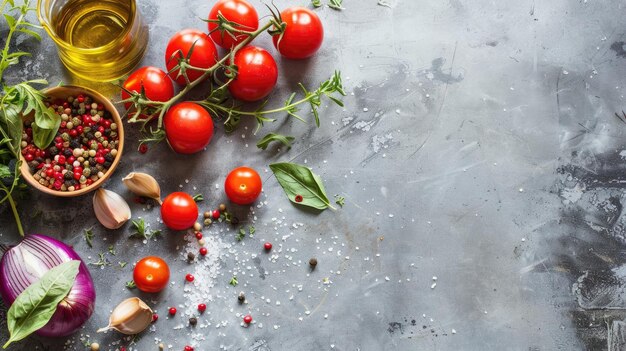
[{"x": 26, "y": 262}]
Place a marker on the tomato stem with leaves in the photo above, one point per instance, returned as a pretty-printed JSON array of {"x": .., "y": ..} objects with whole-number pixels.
[
  {"x": 215, "y": 101},
  {"x": 141, "y": 101}
]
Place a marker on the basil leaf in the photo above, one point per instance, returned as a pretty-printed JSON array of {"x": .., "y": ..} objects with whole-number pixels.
[
  {"x": 34, "y": 307},
  {"x": 46, "y": 121},
  {"x": 11, "y": 126},
  {"x": 302, "y": 186},
  {"x": 42, "y": 137},
  {"x": 266, "y": 140}
]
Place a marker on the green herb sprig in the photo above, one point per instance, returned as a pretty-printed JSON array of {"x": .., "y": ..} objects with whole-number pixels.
[
  {"x": 140, "y": 232},
  {"x": 233, "y": 281},
  {"x": 102, "y": 261},
  {"x": 88, "y": 235},
  {"x": 17, "y": 100}
]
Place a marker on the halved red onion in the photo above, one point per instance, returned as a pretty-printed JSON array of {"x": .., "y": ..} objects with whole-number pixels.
[{"x": 28, "y": 261}]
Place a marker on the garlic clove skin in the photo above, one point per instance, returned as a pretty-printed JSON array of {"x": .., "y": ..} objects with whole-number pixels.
[
  {"x": 143, "y": 184},
  {"x": 111, "y": 209},
  {"x": 131, "y": 316}
]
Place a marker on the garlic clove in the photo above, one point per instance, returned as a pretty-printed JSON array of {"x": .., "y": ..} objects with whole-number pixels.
[
  {"x": 131, "y": 316},
  {"x": 111, "y": 209},
  {"x": 143, "y": 184}
]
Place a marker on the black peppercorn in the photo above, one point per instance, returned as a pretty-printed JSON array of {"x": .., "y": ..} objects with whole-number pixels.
[
  {"x": 68, "y": 175},
  {"x": 109, "y": 157},
  {"x": 107, "y": 164},
  {"x": 92, "y": 161},
  {"x": 67, "y": 153},
  {"x": 53, "y": 150},
  {"x": 74, "y": 144},
  {"x": 39, "y": 159},
  {"x": 193, "y": 321},
  {"x": 313, "y": 262},
  {"x": 241, "y": 297},
  {"x": 190, "y": 256}
]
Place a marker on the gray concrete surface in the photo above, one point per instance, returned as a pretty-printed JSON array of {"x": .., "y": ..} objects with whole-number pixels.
[{"x": 478, "y": 145}]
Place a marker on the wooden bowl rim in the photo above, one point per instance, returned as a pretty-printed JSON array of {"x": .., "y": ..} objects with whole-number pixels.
[{"x": 63, "y": 92}]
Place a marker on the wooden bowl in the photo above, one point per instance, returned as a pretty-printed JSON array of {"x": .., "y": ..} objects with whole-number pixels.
[{"x": 62, "y": 92}]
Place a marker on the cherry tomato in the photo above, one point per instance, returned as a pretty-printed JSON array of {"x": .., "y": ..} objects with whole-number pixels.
[
  {"x": 204, "y": 53},
  {"x": 241, "y": 12},
  {"x": 156, "y": 84},
  {"x": 256, "y": 74},
  {"x": 243, "y": 185},
  {"x": 179, "y": 211},
  {"x": 188, "y": 127},
  {"x": 303, "y": 34},
  {"x": 151, "y": 274}
]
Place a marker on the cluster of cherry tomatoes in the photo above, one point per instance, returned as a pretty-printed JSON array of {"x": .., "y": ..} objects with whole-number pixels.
[{"x": 188, "y": 126}]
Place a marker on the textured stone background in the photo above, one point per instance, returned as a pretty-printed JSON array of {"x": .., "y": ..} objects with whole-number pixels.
[{"x": 478, "y": 145}]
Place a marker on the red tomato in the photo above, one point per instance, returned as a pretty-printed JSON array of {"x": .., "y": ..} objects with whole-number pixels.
[
  {"x": 157, "y": 85},
  {"x": 256, "y": 74},
  {"x": 240, "y": 12},
  {"x": 303, "y": 34},
  {"x": 243, "y": 185},
  {"x": 204, "y": 53},
  {"x": 151, "y": 274},
  {"x": 188, "y": 127},
  {"x": 179, "y": 211}
]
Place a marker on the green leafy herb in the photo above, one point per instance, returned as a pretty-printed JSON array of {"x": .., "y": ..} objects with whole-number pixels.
[
  {"x": 335, "y": 4},
  {"x": 232, "y": 114},
  {"x": 140, "y": 231},
  {"x": 316, "y": 3},
  {"x": 301, "y": 186},
  {"x": 251, "y": 229},
  {"x": 102, "y": 261},
  {"x": 111, "y": 250},
  {"x": 88, "y": 235},
  {"x": 122, "y": 264},
  {"x": 34, "y": 307},
  {"x": 131, "y": 284},
  {"x": 271, "y": 137},
  {"x": 233, "y": 281},
  {"x": 17, "y": 100},
  {"x": 340, "y": 200},
  {"x": 198, "y": 198},
  {"x": 241, "y": 234}
]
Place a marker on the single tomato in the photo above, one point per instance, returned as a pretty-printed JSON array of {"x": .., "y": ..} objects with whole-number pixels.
[
  {"x": 151, "y": 274},
  {"x": 303, "y": 34},
  {"x": 179, "y": 211},
  {"x": 241, "y": 13},
  {"x": 156, "y": 84},
  {"x": 188, "y": 127},
  {"x": 204, "y": 53},
  {"x": 243, "y": 185},
  {"x": 257, "y": 74}
]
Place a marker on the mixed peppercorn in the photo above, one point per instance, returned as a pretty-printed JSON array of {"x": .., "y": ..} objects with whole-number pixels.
[{"x": 83, "y": 150}]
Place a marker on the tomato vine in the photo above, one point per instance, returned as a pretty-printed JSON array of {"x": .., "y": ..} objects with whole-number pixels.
[{"x": 219, "y": 102}]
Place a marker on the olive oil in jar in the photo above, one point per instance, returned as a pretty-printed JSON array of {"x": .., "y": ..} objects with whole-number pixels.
[
  {"x": 98, "y": 40},
  {"x": 91, "y": 24}
]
